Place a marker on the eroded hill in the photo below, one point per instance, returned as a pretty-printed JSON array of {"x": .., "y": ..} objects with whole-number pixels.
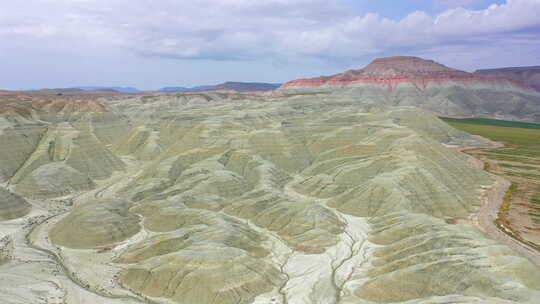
[
  {"x": 228, "y": 198},
  {"x": 527, "y": 75},
  {"x": 413, "y": 81}
]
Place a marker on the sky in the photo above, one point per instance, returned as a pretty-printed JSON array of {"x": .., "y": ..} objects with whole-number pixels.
[{"x": 153, "y": 44}]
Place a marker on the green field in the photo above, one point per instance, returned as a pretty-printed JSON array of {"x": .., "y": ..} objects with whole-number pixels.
[
  {"x": 518, "y": 167},
  {"x": 536, "y": 196},
  {"x": 521, "y": 140},
  {"x": 493, "y": 122},
  {"x": 500, "y": 157},
  {"x": 527, "y": 175}
]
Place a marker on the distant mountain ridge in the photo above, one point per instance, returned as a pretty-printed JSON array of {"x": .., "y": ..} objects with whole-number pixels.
[
  {"x": 230, "y": 85},
  {"x": 529, "y": 75},
  {"x": 247, "y": 86},
  {"x": 414, "y": 81},
  {"x": 393, "y": 71},
  {"x": 100, "y": 88},
  {"x": 185, "y": 89},
  {"x": 227, "y": 86}
]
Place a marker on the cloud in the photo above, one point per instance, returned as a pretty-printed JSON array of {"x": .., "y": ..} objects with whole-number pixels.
[
  {"x": 371, "y": 33},
  {"x": 519, "y": 50},
  {"x": 255, "y": 30}
]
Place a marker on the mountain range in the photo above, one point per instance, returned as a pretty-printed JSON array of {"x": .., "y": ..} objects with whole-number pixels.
[
  {"x": 230, "y": 86},
  {"x": 413, "y": 81},
  {"x": 390, "y": 72},
  {"x": 527, "y": 75},
  {"x": 100, "y": 88}
]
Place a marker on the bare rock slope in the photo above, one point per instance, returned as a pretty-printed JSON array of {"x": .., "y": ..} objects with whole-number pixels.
[
  {"x": 414, "y": 81},
  {"x": 12, "y": 206},
  {"x": 230, "y": 198},
  {"x": 526, "y": 75}
]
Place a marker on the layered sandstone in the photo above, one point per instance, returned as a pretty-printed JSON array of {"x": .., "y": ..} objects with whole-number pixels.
[
  {"x": 432, "y": 86},
  {"x": 392, "y": 71},
  {"x": 527, "y": 75}
]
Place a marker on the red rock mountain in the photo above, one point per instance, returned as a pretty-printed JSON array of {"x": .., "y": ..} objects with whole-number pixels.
[
  {"x": 527, "y": 75},
  {"x": 393, "y": 71},
  {"x": 413, "y": 81}
]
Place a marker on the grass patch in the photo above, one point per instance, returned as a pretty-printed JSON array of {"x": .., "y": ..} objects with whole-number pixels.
[
  {"x": 519, "y": 167},
  {"x": 522, "y": 146},
  {"x": 521, "y": 139},
  {"x": 524, "y": 137},
  {"x": 535, "y": 217},
  {"x": 516, "y": 152},
  {"x": 527, "y": 175},
  {"x": 493, "y": 122},
  {"x": 535, "y": 199},
  {"x": 508, "y": 197},
  {"x": 511, "y": 158}
]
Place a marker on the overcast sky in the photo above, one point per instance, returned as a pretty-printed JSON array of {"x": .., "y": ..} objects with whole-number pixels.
[{"x": 154, "y": 43}]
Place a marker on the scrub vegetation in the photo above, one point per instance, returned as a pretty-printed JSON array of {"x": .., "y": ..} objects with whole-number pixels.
[{"x": 519, "y": 162}]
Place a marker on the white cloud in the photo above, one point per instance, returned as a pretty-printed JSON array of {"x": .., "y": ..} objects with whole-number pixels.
[{"x": 244, "y": 29}]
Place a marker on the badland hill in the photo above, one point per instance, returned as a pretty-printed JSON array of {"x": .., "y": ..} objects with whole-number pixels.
[
  {"x": 414, "y": 81},
  {"x": 236, "y": 198},
  {"x": 527, "y": 75}
]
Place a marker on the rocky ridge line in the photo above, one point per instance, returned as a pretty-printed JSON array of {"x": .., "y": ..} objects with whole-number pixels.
[{"x": 393, "y": 71}]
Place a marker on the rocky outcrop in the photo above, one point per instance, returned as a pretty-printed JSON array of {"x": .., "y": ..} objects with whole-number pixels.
[
  {"x": 12, "y": 206},
  {"x": 203, "y": 257},
  {"x": 430, "y": 85},
  {"x": 6, "y": 249},
  {"x": 452, "y": 259},
  {"x": 142, "y": 142},
  {"x": 96, "y": 224},
  {"x": 53, "y": 180},
  {"x": 527, "y": 75},
  {"x": 57, "y": 146},
  {"x": 393, "y": 71}
]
